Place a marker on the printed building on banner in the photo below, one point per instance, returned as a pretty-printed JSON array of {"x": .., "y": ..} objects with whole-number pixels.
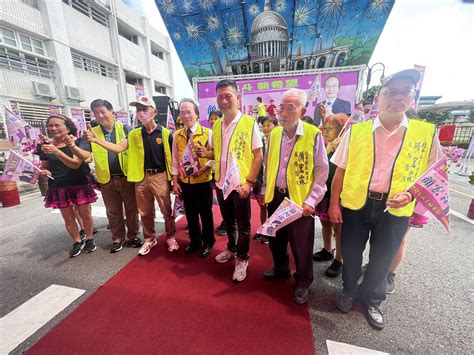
[{"x": 96, "y": 49}]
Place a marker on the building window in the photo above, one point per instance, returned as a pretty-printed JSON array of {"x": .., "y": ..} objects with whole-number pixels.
[
  {"x": 87, "y": 8},
  {"x": 322, "y": 62},
  {"x": 31, "y": 45},
  {"x": 160, "y": 88},
  {"x": 7, "y": 37},
  {"x": 130, "y": 37},
  {"x": 158, "y": 54},
  {"x": 93, "y": 65},
  {"x": 243, "y": 69},
  {"x": 341, "y": 58},
  {"x": 133, "y": 80},
  {"x": 300, "y": 64},
  {"x": 24, "y": 63},
  {"x": 256, "y": 68}
]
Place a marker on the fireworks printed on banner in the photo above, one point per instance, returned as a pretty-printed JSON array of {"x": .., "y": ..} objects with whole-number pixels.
[
  {"x": 380, "y": 7},
  {"x": 280, "y": 6},
  {"x": 187, "y": 5},
  {"x": 177, "y": 36},
  {"x": 254, "y": 10},
  {"x": 218, "y": 43},
  {"x": 332, "y": 8},
  {"x": 302, "y": 15},
  {"x": 168, "y": 6},
  {"x": 234, "y": 34},
  {"x": 194, "y": 31},
  {"x": 206, "y": 4},
  {"x": 213, "y": 22}
]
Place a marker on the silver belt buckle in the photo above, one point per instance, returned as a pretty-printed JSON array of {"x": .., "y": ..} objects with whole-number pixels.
[{"x": 378, "y": 196}]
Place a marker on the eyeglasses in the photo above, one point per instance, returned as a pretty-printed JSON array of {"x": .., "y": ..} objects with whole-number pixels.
[
  {"x": 184, "y": 113},
  {"x": 329, "y": 129},
  {"x": 394, "y": 92},
  {"x": 288, "y": 107}
]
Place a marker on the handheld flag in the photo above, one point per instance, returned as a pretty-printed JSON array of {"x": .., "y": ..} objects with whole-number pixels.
[
  {"x": 232, "y": 177},
  {"x": 287, "y": 212},
  {"x": 20, "y": 169},
  {"x": 432, "y": 191}
]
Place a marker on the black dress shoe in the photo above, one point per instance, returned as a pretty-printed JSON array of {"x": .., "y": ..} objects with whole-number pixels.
[
  {"x": 191, "y": 248},
  {"x": 374, "y": 317},
  {"x": 344, "y": 303},
  {"x": 301, "y": 295},
  {"x": 275, "y": 275},
  {"x": 205, "y": 251}
]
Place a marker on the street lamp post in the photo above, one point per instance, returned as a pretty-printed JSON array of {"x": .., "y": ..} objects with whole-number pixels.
[{"x": 371, "y": 72}]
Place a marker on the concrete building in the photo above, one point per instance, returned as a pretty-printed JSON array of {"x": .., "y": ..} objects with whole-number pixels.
[{"x": 59, "y": 55}]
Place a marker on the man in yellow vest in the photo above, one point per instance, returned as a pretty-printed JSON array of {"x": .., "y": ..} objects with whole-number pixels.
[
  {"x": 376, "y": 162},
  {"x": 196, "y": 188},
  {"x": 149, "y": 167},
  {"x": 261, "y": 110},
  {"x": 296, "y": 167},
  {"x": 111, "y": 170},
  {"x": 238, "y": 134}
]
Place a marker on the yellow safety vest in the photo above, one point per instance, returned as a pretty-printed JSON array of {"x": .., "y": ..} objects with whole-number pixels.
[
  {"x": 101, "y": 155},
  {"x": 261, "y": 110},
  {"x": 300, "y": 168},
  {"x": 136, "y": 153},
  {"x": 240, "y": 143},
  {"x": 410, "y": 163},
  {"x": 200, "y": 137}
]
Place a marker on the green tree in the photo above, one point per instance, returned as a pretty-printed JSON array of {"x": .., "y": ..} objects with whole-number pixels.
[
  {"x": 435, "y": 117},
  {"x": 370, "y": 94}
]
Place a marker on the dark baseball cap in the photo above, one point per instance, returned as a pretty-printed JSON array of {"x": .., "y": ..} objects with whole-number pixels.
[{"x": 411, "y": 74}]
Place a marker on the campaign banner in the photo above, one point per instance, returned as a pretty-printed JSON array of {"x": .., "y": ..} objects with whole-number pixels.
[
  {"x": 432, "y": 191},
  {"x": 287, "y": 212},
  {"x": 338, "y": 88},
  {"x": 170, "y": 124},
  {"x": 230, "y": 37},
  {"x": 54, "y": 109},
  {"x": 77, "y": 116},
  {"x": 416, "y": 99},
  {"x": 122, "y": 116},
  {"x": 16, "y": 127},
  {"x": 232, "y": 176},
  {"x": 19, "y": 169},
  {"x": 139, "y": 90},
  {"x": 178, "y": 207}
]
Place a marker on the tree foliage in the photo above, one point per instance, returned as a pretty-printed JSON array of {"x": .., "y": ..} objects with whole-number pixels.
[
  {"x": 370, "y": 94},
  {"x": 435, "y": 117}
]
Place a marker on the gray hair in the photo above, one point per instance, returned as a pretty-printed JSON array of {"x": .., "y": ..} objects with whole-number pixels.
[
  {"x": 300, "y": 94},
  {"x": 196, "y": 107}
]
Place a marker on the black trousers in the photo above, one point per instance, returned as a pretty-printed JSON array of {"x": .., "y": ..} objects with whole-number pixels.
[
  {"x": 300, "y": 234},
  {"x": 197, "y": 200},
  {"x": 236, "y": 214},
  {"x": 386, "y": 233}
]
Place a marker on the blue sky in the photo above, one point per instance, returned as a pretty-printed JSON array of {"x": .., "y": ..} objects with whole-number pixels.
[{"x": 437, "y": 34}]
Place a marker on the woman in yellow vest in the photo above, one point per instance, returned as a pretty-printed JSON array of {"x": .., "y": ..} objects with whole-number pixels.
[
  {"x": 376, "y": 162},
  {"x": 193, "y": 185}
]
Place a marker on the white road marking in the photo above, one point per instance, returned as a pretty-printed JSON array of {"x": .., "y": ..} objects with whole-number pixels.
[
  {"x": 336, "y": 348},
  {"x": 461, "y": 216},
  {"x": 26, "y": 319}
]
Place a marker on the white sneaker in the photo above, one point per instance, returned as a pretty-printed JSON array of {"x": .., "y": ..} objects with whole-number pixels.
[
  {"x": 172, "y": 244},
  {"x": 240, "y": 271},
  {"x": 224, "y": 256},
  {"x": 146, "y": 247}
]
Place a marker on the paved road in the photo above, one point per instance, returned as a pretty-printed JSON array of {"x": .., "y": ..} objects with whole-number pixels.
[{"x": 430, "y": 311}]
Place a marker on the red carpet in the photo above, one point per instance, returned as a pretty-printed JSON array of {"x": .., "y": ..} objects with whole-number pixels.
[{"x": 166, "y": 303}]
